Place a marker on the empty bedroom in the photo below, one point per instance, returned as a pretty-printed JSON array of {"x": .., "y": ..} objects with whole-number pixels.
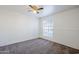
[{"x": 39, "y": 29}]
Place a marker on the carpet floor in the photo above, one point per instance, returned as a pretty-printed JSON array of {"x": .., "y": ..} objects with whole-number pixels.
[{"x": 37, "y": 46}]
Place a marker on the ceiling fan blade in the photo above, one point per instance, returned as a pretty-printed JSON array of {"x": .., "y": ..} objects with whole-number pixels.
[
  {"x": 40, "y": 8},
  {"x": 33, "y": 7}
]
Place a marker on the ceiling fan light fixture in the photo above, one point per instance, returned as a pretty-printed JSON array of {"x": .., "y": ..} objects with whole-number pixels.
[
  {"x": 34, "y": 11},
  {"x": 36, "y": 8}
]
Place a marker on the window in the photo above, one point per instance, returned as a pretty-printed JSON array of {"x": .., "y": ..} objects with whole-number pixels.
[{"x": 47, "y": 28}]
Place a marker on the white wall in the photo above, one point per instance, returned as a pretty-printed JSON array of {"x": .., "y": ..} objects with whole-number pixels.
[
  {"x": 66, "y": 28},
  {"x": 16, "y": 27}
]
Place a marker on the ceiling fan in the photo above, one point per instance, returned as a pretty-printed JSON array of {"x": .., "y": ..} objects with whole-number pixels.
[{"x": 36, "y": 9}]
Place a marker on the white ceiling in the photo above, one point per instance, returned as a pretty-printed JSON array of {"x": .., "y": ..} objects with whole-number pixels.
[{"x": 48, "y": 9}]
